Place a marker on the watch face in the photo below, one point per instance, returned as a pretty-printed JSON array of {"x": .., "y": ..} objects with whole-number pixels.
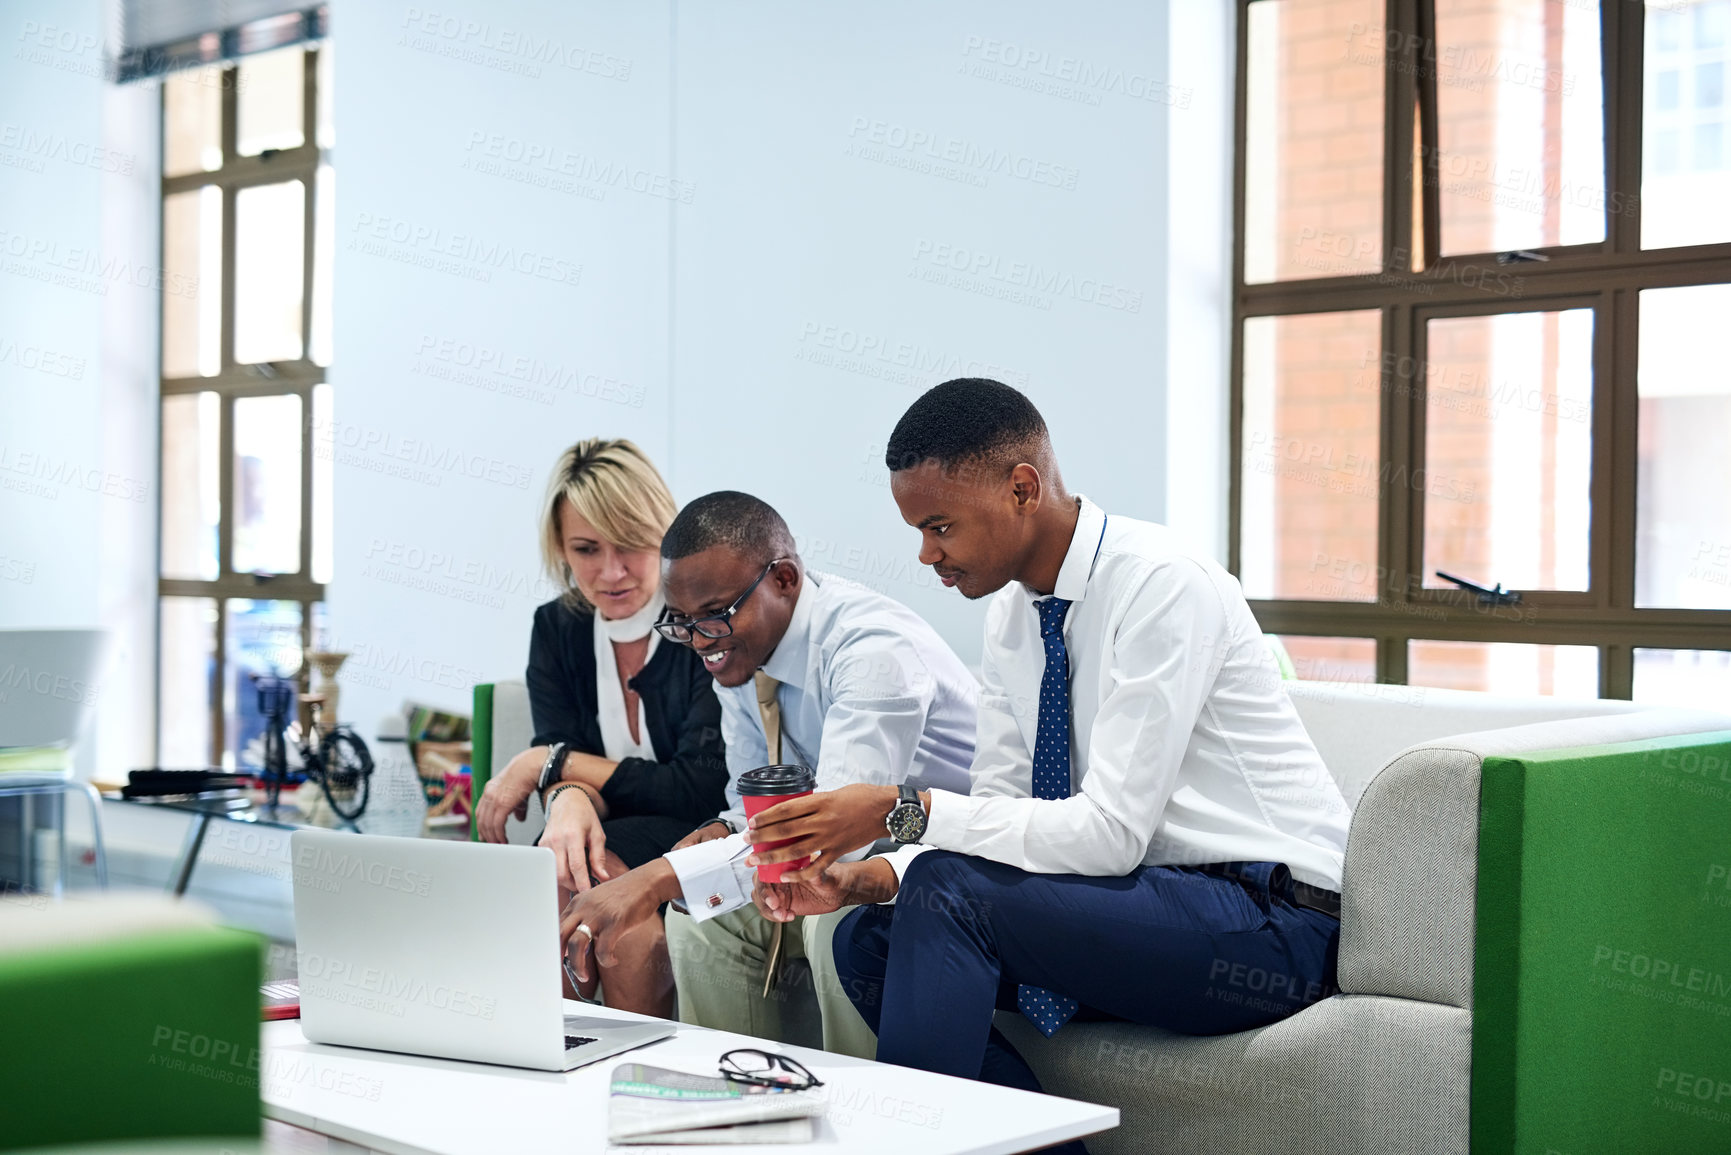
[{"x": 906, "y": 823}]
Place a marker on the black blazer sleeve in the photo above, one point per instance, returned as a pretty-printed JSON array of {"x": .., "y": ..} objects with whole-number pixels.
[
  {"x": 561, "y": 680},
  {"x": 684, "y": 713}
]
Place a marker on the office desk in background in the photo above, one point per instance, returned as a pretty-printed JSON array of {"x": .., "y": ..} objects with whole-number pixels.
[{"x": 409, "y": 1105}]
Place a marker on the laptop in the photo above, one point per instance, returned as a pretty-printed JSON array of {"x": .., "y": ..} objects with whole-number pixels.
[{"x": 440, "y": 948}]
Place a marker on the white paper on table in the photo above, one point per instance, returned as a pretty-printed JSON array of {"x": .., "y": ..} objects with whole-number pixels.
[
  {"x": 651, "y": 1104},
  {"x": 802, "y": 1130}
]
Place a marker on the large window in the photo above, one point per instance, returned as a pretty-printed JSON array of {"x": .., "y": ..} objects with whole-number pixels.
[
  {"x": 1482, "y": 328},
  {"x": 246, "y": 246}
]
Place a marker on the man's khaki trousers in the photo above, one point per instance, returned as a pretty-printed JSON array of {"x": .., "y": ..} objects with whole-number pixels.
[{"x": 718, "y": 967}]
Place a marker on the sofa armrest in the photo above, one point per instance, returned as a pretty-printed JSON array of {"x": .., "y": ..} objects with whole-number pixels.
[
  {"x": 480, "y": 751},
  {"x": 1602, "y": 978},
  {"x": 500, "y": 731},
  {"x": 1408, "y": 892}
]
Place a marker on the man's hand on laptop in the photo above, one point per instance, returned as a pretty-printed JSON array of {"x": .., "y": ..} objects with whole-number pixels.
[
  {"x": 829, "y": 823},
  {"x": 824, "y": 889},
  {"x": 594, "y": 919},
  {"x": 507, "y": 793},
  {"x": 575, "y": 836}
]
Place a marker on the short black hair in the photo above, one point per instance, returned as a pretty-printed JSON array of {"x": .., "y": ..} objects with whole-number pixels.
[
  {"x": 962, "y": 422},
  {"x": 745, "y": 524}
]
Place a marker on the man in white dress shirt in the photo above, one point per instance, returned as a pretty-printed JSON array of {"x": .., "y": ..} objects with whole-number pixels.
[
  {"x": 850, "y": 683},
  {"x": 1151, "y": 835}
]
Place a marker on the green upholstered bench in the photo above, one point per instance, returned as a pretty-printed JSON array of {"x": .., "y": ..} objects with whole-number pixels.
[
  {"x": 125, "y": 1018},
  {"x": 1535, "y": 957}
]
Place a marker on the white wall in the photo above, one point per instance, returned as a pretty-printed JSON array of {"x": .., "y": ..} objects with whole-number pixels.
[
  {"x": 808, "y": 230},
  {"x": 790, "y": 220},
  {"x": 78, "y": 256},
  {"x": 458, "y": 377}
]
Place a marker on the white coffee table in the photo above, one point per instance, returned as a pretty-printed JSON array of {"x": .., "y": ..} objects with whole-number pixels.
[{"x": 409, "y": 1105}]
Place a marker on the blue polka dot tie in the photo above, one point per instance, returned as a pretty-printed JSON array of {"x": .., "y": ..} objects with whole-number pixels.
[{"x": 1045, "y": 1009}]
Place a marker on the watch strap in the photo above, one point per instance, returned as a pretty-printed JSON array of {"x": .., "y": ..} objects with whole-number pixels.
[
  {"x": 550, "y": 769},
  {"x": 906, "y": 797}
]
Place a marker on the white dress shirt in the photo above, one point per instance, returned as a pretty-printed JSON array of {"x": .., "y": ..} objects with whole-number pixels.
[
  {"x": 869, "y": 693},
  {"x": 1184, "y": 746}
]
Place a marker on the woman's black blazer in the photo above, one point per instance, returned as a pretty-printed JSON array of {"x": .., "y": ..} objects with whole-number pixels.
[{"x": 688, "y": 778}]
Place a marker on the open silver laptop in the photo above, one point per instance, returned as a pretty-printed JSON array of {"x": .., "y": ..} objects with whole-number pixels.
[{"x": 440, "y": 948}]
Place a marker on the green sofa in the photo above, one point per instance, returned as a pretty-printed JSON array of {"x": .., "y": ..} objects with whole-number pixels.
[{"x": 125, "y": 1019}]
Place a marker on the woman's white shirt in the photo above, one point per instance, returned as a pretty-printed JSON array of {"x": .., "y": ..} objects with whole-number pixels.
[{"x": 616, "y": 741}]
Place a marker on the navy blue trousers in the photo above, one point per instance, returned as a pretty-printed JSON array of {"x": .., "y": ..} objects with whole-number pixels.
[{"x": 1197, "y": 950}]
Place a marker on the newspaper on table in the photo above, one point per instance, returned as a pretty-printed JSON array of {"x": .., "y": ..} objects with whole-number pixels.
[{"x": 654, "y": 1105}]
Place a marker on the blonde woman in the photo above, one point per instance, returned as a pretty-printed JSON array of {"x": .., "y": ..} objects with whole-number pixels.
[{"x": 627, "y": 751}]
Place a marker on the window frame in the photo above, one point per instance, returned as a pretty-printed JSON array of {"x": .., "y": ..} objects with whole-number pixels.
[
  {"x": 234, "y": 381},
  {"x": 1606, "y": 276}
]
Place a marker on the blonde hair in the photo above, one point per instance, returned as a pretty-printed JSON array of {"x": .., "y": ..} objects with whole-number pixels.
[{"x": 613, "y": 486}]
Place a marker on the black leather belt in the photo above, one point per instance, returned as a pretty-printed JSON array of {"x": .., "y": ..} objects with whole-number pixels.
[
  {"x": 1315, "y": 898},
  {"x": 1272, "y": 880}
]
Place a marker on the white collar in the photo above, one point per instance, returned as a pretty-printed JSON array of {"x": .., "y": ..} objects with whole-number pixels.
[{"x": 634, "y": 628}]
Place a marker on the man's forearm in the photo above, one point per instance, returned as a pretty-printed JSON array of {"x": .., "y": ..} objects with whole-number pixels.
[
  {"x": 871, "y": 880},
  {"x": 659, "y": 876},
  {"x": 887, "y": 797}
]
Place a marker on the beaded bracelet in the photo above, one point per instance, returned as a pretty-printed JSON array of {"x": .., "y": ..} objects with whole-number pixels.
[{"x": 547, "y": 806}]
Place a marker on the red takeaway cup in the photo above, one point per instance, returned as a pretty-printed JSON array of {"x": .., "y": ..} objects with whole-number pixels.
[{"x": 768, "y": 786}]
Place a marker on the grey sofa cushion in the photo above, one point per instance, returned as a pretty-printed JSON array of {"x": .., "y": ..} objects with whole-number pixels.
[
  {"x": 512, "y": 725},
  {"x": 512, "y": 729},
  {"x": 1352, "y": 1075}
]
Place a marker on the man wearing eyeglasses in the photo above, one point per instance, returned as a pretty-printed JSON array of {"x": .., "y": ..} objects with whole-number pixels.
[{"x": 811, "y": 670}]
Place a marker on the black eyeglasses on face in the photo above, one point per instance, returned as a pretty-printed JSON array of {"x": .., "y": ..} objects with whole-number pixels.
[
  {"x": 711, "y": 626},
  {"x": 767, "y": 1069}
]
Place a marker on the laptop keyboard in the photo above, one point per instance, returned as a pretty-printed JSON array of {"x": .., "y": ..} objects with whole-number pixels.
[{"x": 572, "y": 1042}]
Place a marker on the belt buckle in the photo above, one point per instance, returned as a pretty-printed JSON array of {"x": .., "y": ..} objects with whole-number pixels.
[{"x": 1316, "y": 898}]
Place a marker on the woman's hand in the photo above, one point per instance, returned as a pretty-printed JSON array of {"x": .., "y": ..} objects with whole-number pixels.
[
  {"x": 507, "y": 793},
  {"x": 708, "y": 832},
  {"x": 575, "y": 836}
]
